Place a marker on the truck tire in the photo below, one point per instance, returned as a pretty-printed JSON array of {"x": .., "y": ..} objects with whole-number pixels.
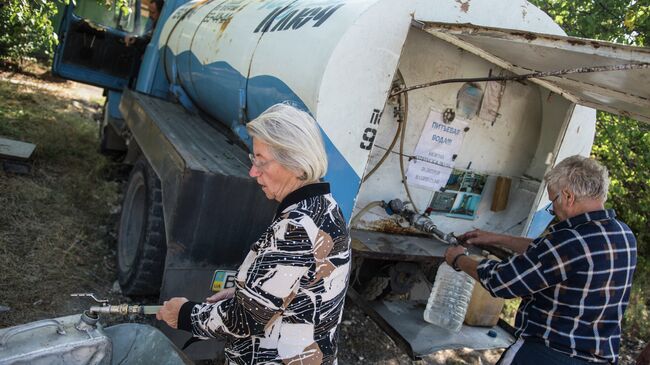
[
  {"x": 141, "y": 242},
  {"x": 375, "y": 288}
]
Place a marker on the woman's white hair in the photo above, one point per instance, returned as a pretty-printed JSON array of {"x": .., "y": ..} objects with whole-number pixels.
[
  {"x": 585, "y": 177},
  {"x": 294, "y": 140}
]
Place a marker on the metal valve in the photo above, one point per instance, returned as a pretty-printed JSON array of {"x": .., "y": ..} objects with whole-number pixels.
[
  {"x": 421, "y": 222},
  {"x": 121, "y": 309},
  {"x": 92, "y": 296}
]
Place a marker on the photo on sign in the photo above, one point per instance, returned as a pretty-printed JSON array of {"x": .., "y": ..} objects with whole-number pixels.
[{"x": 461, "y": 196}]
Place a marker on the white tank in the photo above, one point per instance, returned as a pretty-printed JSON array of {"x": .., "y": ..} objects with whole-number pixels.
[{"x": 338, "y": 60}]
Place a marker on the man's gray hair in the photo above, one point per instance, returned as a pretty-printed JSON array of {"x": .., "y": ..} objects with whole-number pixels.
[
  {"x": 294, "y": 140},
  {"x": 584, "y": 176}
]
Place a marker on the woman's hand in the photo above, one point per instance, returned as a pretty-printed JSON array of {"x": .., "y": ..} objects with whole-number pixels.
[
  {"x": 169, "y": 311},
  {"x": 224, "y": 294}
]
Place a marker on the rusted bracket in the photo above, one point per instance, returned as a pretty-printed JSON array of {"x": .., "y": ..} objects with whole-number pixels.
[{"x": 533, "y": 75}]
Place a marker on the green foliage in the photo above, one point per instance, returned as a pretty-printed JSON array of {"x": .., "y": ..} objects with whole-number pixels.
[
  {"x": 623, "y": 145},
  {"x": 637, "y": 314},
  {"x": 621, "y": 21},
  {"x": 26, "y": 28},
  {"x": 509, "y": 311}
]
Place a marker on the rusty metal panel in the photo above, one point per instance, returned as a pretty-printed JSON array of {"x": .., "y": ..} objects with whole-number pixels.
[
  {"x": 387, "y": 246},
  {"x": 618, "y": 85}
]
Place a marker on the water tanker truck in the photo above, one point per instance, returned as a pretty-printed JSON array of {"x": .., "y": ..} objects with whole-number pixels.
[{"x": 439, "y": 116}]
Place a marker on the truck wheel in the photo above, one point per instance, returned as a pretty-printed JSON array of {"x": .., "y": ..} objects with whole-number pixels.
[
  {"x": 375, "y": 288},
  {"x": 141, "y": 242}
]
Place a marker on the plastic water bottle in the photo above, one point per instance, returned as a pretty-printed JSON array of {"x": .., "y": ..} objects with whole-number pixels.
[{"x": 447, "y": 304}]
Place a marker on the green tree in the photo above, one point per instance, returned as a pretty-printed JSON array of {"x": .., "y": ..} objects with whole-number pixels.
[
  {"x": 26, "y": 29},
  {"x": 621, "y": 21},
  {"x": 623, "y": 145}
]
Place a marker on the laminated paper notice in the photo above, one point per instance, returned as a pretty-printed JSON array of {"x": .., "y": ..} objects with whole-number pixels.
[{"x": 434, "y": 154}]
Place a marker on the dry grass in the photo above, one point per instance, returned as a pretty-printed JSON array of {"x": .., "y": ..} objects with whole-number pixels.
[{"x": 53, "y": 222}]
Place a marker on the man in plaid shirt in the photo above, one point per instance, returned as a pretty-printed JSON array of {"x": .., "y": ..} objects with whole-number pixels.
[{"x": 574, "y": 282}]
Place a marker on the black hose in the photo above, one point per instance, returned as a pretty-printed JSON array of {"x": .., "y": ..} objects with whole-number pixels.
[
  {"x": 388, "y": 151},
  {"x": 401, "y": 152}
]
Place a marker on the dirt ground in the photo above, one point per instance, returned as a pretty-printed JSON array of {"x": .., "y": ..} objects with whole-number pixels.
[{"x": 85, "y": 261}]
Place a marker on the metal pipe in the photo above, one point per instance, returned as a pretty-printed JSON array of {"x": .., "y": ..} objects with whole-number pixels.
[
  {"x": 125, "y": 309},
  {"x": 421, "y": 222},
  {"x": 122, "y": 309}
]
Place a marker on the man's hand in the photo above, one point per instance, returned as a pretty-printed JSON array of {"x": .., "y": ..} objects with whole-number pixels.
[
  {"x": 480, "y": 237},
  {"x": 465, "y": 264},
  {"x": 452, "y": 252},
  {"x": 129, "y": 39},
  {"x": 644, "y": 356},
  {"x": 224, "y": 294},
  {"x": 169, "y": 311}
]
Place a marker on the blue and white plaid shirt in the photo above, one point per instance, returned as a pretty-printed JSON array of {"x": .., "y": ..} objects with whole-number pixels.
[{"x": 574, "y": 282}]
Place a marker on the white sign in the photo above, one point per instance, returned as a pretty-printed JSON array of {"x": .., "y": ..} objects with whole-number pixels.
[{"x": 434, "y": 154}]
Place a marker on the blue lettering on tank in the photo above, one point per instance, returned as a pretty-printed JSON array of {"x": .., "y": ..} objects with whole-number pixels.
[{"x": 289, "y": 18}]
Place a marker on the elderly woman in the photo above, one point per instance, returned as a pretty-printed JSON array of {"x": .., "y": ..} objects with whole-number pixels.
[{"x": 290, "y": 289}]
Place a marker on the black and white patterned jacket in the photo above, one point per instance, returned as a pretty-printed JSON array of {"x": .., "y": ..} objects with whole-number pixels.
[{"x": 290, "y": 288}]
